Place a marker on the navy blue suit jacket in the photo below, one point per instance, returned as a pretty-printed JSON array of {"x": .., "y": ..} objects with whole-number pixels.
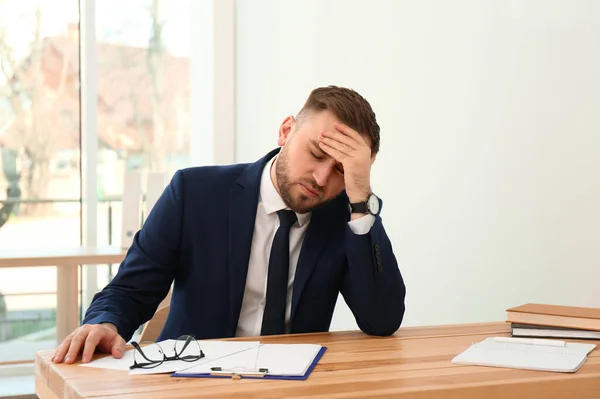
[{"x": 198, "y": 236}]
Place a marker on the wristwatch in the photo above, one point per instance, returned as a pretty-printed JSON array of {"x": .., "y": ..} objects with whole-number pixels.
[{"x": 371, "y": 205}]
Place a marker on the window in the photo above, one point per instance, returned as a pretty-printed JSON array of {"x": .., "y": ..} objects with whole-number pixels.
[
  {"x": 39, "y": 183},
  {"x": 142, "y": 58},
  {"x": 39, "y": 168},
  {"x": 141, "y": 120},
  {"x": 143, "y": 99}
]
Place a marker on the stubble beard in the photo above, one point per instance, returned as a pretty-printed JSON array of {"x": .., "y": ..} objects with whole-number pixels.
[{"x": 299, "y": 204}]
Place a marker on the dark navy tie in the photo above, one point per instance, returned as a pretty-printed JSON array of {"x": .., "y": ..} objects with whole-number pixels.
[{"x": 279, "y": 266}]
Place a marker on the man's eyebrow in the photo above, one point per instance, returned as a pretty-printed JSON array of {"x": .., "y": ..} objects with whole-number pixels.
[
  {"x": 316, "y": 146},
  {"x": 322, "y": 153}
]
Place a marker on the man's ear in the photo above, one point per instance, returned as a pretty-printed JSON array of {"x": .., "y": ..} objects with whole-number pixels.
[{"x": 286, "y": 128}]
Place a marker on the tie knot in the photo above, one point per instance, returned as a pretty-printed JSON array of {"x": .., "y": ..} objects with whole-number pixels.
[{"x": 287, "y": 218}]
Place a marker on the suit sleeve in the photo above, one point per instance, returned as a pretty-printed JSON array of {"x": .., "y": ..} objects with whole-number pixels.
[
  {"x": 373, "y": 286},
  {"x": 146, "y": 274}
]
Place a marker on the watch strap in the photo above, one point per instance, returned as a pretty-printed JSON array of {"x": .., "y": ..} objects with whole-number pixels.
[{"x": 359, "y": 207}]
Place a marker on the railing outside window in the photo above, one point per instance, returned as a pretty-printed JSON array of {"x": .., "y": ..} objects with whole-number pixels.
[{"x": 28, "y": 317}]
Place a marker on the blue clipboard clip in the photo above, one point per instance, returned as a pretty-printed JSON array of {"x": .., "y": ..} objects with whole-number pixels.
[{"x": 237, "y": 374}]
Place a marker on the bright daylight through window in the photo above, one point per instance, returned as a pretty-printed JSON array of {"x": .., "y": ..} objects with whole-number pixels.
[{"x": 141, "y": 54}]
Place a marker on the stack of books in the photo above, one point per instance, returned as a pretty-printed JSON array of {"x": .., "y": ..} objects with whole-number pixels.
[{"x": 554, "y": 321}]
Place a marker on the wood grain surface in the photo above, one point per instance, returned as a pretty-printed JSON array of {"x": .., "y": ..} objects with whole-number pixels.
[{"x": 414, "y": 363}]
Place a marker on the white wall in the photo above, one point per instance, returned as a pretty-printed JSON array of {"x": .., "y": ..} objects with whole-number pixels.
[{"x": 490, "y": 114}]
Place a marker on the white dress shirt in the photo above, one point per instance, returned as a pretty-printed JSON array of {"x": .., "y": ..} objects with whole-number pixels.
[{"x": 265, "y": 227}]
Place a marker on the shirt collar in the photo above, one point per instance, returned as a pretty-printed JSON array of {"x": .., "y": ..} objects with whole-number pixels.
[{"x": 272, "y": 201}]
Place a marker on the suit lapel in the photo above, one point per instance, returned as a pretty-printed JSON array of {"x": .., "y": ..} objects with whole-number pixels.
[
  {"x": 242, "y": 212},
  {"x": 317, "y": 235},
  {"x": 243, "y": 200}
]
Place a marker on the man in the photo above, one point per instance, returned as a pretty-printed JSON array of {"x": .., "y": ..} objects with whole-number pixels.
[{"x": 262, "y": 248}]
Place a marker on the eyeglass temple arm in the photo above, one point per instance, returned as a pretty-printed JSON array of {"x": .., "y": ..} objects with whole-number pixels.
[
  {"x": 139, "y": 349},
  {"x": 188, "y": 339}
]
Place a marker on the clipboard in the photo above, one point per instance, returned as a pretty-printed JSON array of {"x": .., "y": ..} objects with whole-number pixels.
[{"x": 257, "y": 374}]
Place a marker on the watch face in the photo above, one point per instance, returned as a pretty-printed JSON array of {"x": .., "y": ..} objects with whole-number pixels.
[{"x": 373, "y": 204}]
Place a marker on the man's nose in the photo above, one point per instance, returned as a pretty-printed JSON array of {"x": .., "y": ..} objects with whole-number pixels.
[{"x": 322, "y": 174}]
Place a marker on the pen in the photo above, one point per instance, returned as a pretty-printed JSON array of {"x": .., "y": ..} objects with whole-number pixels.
[
  {"x": 235, "y": 375},
  {"x": 218, "y": 371},
  {"x": 530, "y": 341},
  {"x": 259, "y": 371}
]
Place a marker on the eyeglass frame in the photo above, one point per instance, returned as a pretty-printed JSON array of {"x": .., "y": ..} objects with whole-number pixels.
[{"x": 156, "y": 363}]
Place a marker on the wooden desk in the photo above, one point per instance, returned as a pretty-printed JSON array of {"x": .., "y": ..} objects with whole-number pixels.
[
  {"x": 66, "y": 261},
  {"x": 415, "y": 363}
]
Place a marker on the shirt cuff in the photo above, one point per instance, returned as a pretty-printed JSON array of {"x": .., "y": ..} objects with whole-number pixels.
[{"x": 362, "y": 225}]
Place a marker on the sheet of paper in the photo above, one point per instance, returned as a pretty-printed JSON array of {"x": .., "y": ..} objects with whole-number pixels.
[
  {"x": 279, "y": 359},
  {"x": 212, "y": 350},
  {"x": 242, "y": 360},
  {"x": 527, "y": 356},
  {"x": 109, "y": 362},
  {"x": 292, "y": 359}
]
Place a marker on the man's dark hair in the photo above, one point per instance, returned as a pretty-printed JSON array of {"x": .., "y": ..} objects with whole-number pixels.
[{"x": 349, "y": 107}]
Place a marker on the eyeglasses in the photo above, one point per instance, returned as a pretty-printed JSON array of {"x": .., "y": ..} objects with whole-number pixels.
[{"x": 149, "y": 354}]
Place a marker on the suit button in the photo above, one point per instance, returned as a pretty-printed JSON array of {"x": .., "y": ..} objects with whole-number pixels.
[
  {"x": 379, "y": 268},
  {"x": 376, "y": 247}
]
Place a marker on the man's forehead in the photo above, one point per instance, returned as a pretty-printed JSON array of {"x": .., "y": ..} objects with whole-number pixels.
[
  {"x": 315, "y": 123},
  {"x": 313, "y": 136}
]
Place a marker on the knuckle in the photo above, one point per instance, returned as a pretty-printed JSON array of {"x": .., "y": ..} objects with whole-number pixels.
[
  {"x": 79, "y": 332},
  {"x": 76, "y": 339},
  {"x": 72, "y": 335},
  {"x": 79, "y": 337},
  {"x": 96, "y": 334},
  {"x": 75, "y": 346}
]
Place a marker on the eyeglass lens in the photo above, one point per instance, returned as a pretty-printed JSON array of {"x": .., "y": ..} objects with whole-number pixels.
[
  {"x": 148, "y": 354},
  {"x": 187, "y": 348}
]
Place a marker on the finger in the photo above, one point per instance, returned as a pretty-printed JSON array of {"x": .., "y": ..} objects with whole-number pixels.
[
  {"x": 332, "y": 152},
  {"x": 350, "y": 132},
  {"x": 340, "y": 147},
  {"x": 76, "y": 345},
  {"x": 118, "y": 347},
  {"x": 91, "y": 342},
  {"x": 342, "y": 138},
  {"x": 59, "y": 354}
]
